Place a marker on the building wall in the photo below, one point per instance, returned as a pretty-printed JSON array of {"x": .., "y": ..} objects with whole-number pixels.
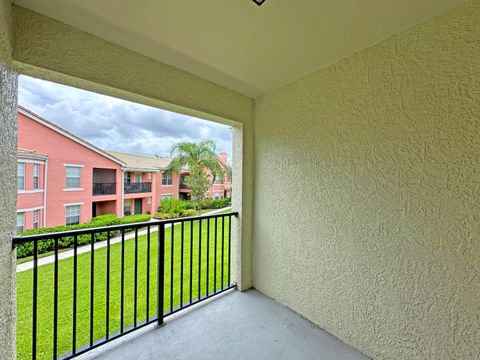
[
  {"x": 372, "y": 230},
  {"x": 61, "y": 151}
]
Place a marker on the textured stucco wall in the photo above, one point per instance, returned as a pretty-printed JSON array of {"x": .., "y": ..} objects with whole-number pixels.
[
  {"x": 372, "y": 228},
  {"x": 8, "y": 167},
  {"x": 54, "y": 51}
]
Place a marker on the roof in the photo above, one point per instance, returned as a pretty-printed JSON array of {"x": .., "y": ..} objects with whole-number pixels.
[
  {"x": 30, "y": 154},
  {"x": 141, "y": 162},
  {"x": 31, "y": 115}
]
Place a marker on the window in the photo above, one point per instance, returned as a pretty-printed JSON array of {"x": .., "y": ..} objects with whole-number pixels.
[
  {"x": 21, "y": 176},
  {"x": 167, "y": 179},
  {"x": 138, "y": 177},
  {"x": 36, "y": 219},
  {"x": 127, "y": 208},
  {"x": 20, "y": 222},
  {"x": 218, "y": 195},
  {"x": 73, "y": 215},
  {"x": 73, "y": 177},
  {"x": 167, "y": 196},
  {"x": 36, "y": 171},
  {"x": 128, "y": 178},
  {"x": 218, "y": 179}
]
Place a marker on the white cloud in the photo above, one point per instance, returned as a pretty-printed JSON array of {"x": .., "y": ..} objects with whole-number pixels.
[{"x": 116, "y": 124}]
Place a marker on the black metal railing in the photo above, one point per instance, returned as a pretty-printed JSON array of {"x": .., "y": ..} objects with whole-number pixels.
[
  {"x": 141, "y": 187},
  {"x": 135, "y": 275},
  {"x": 104, "y": 188},
  {"x": 184, "y": 186}
]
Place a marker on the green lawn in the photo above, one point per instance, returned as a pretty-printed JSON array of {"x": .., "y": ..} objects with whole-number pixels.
[{"x": 65, "y": 289}]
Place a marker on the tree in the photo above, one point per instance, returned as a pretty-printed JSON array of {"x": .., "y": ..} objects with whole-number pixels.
[{"x": 202, "y": 163}]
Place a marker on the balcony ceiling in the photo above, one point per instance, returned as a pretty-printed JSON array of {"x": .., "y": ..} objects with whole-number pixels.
[{"x": 235, "y": 43}]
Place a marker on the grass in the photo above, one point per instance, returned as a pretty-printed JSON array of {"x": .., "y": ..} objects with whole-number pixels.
[{"x": 65, "y": 287}]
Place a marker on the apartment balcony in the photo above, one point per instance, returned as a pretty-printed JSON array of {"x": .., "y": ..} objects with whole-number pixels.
[
  {"x": 107, "y": 300},
  {"x": 104, "y": 188},
  {"x": 135, "y": 188},
  {"x": 184, "y": 186}
]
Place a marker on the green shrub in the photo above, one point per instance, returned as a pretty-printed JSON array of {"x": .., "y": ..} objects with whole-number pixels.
[
  {"x": 173, "y": 206},
  {"x": 189, "y": 212},
  {"x": 163, "y": 216},
  {"x": 130, "y": 219},
  {"x": 220, "y": 203},
  {"x": 47, "y": 245}
]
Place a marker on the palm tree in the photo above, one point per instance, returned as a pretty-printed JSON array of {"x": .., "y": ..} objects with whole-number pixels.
[{"x": 202, "y": 161}]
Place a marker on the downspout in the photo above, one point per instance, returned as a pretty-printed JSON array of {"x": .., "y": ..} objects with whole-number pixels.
[
  {"x": 45, "y": 178},
  {"x": 122, "y": 192}
]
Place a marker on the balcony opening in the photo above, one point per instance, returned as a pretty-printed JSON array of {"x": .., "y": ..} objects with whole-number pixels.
[{"x": 117, "y": 238}]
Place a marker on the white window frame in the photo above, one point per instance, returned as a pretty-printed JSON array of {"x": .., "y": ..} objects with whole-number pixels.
[
  {"x": 168, "y": 196},
  {"x": 21, "y": 186},
  {"x": 22, "y": 226},
  {"x": 127, "y": 204},
  {"x": 166, "y": 177},
  {"x": 77, "y": 186},
  {"x": 36, "y": 176},
  {"x": 138, "y": 178},
  {"x": 219, "y": 180},
  {"x": 36, "y": 219},
  {"x": 70, "y": 207}
]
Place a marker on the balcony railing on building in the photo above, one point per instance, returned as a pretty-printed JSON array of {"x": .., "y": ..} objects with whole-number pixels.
[
  {"x": 140, "y": 274},
  {"x": 104, "y": 188},
  {"x": 134, "y": 188},
  {"x": 184, "y": 186}
]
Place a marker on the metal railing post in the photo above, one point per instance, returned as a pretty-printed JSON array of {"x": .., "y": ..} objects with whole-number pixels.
[{"x": 160, "y": 274}]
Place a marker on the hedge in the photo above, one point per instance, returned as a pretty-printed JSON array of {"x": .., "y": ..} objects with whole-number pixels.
[{"x": 47, "y": 245}]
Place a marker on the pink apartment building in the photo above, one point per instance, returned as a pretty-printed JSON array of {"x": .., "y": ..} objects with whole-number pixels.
[{"x": 66, "y": 180}]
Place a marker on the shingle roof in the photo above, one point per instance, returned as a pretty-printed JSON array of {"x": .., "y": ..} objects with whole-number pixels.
[{"x": 141, "y": 162}]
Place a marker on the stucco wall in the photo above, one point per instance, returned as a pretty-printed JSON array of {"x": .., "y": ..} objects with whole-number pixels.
[
  {"x": 8, "y": 168},
  {"x": 372, "y": 228}
]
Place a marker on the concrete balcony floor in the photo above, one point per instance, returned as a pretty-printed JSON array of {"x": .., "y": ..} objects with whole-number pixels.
[{"x": 236, "y": 325}]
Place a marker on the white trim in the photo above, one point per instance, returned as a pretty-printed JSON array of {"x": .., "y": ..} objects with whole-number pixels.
[
  {"x": 33, "y": 191},
  {"x": 167, "y": 186},
  {"x": 74, "y": 165},
  {"x": 29, "y": 209},
  {"x": 39, "y": 162},
  {"x": 73, "y": 189},
  {"x": 73, "y": 204},
  {"x": 45, "y": 178},
  {"x": 68, "y": 135}
]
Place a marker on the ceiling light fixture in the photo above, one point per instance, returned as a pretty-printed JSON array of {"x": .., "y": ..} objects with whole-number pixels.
[{"x": 258, "y": 2}]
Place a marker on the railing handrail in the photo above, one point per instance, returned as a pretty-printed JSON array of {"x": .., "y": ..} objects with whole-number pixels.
[{"x": 17, "y": 240}]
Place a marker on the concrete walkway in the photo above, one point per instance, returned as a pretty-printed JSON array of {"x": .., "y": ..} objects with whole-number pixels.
[
  {"x": 235, "y": 326},
  {"x": 86, "y": 248}
]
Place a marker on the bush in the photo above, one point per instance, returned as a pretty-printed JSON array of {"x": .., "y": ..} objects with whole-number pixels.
[
  {"x": 163, "y": 216},
  {"x": 47, "y": 245},
  {"x": 220, "y": 203},
  {"x": 130, "y": 219},
  {"x": 174, "y": 206},
  {"x": 189, "y": 212}
]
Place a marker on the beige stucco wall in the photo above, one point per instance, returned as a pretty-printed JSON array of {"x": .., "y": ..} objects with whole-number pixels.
[
  {"x": 8, "y": 167},
  {"x": 367, "y": 193},
  {"x": 54, "y": 51}
]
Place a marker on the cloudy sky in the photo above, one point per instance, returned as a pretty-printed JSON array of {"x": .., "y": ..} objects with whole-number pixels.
[{"x": 116, "y": 124}]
